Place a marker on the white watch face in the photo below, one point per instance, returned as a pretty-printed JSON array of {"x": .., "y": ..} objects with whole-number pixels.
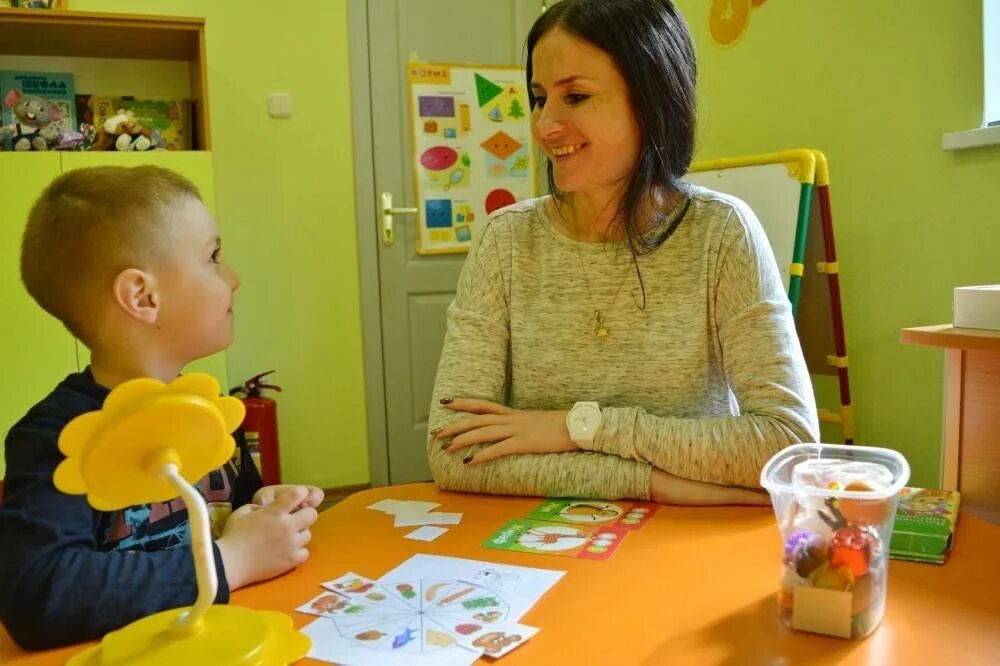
[{"x": 584, "y": 419}]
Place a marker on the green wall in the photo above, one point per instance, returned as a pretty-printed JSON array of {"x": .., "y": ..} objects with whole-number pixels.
[
  {"x": 285, "y": 201},
  {"x": 874, "y": 85}
]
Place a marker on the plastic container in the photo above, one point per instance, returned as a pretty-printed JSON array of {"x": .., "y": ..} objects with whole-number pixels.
[{"x": 835, "y": 507}]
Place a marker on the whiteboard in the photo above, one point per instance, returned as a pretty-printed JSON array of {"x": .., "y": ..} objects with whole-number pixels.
[{"x": 772, "y": 191}]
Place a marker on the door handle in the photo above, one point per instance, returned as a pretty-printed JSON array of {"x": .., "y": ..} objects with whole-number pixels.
[{"x": 388, "y": 231}]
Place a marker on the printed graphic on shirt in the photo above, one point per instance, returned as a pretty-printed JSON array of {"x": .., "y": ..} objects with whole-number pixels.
[{"x": 164, "y": 525}]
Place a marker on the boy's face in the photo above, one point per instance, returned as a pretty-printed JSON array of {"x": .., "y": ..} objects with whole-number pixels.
[{"x": 196, "y": 287}]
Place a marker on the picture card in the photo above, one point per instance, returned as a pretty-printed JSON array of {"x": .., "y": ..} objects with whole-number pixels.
[
  {"x": 626, "y": 514},
  {"x": 589, "y": 542}
]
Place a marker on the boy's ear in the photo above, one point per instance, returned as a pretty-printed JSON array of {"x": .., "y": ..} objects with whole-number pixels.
[{"x": 135, "y": 292}]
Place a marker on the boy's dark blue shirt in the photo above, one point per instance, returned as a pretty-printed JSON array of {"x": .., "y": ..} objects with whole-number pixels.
[{"x": 70, "y": 573}]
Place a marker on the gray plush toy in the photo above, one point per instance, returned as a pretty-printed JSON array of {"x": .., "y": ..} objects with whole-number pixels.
[{"x": 36, "y": 122}]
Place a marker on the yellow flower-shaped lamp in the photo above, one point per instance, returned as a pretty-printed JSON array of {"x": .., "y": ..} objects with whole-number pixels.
[{"x": 149, "y": 443}]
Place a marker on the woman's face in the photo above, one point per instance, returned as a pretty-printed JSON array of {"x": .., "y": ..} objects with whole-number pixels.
[{"x": 582, "y": 119}]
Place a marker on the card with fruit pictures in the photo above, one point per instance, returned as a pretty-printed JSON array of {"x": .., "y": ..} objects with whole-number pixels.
[
  {"x": 629, "y": 515},
  {"x": 429, "y": 610},
  {"x": 588, "y": 542}
]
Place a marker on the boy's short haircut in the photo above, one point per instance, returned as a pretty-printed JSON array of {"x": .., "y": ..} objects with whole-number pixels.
[{"x": 88, "y": 226}]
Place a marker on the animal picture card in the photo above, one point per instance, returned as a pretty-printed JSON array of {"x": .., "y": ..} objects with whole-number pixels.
[
  {"x": 589, "y": 542},
  {"x": 629, "y": 515},
  {"x": 493, "y": 640},
  {"x": 430, "y": 610}
]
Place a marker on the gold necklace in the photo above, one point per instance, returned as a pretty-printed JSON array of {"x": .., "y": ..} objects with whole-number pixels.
[{"x": 597, "y": 323}]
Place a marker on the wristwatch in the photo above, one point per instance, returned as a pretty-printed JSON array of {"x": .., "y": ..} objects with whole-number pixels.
[{"x": 583, "y": 422}]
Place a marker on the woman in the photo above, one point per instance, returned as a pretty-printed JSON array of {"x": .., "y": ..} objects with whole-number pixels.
[{"x": 627, "y": 337}]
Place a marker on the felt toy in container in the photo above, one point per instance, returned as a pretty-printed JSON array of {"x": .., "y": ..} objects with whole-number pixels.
[{"x": 835, "y": 506}]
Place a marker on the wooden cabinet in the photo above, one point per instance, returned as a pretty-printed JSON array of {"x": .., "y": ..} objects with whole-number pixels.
[
  {"x": 970, "y": 458},
  {"x": 129, "y": 52}
]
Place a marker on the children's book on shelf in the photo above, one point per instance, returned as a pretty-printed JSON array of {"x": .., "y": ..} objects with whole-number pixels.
[
  {"x": 54, "y": 87},
  {"x": 925, "y": 525}
]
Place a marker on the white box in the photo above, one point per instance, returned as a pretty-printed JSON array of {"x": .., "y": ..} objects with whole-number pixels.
[{"x": 977, "y": 307}]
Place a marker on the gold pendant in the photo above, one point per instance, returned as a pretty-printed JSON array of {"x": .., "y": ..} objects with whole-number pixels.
[{"x": 600, "y": 330}]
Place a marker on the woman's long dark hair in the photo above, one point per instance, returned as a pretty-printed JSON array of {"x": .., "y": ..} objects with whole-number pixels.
[{"x": 648, "y": 41}]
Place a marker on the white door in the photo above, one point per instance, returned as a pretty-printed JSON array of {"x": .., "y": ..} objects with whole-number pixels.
[{"x": 413, "y": 291}]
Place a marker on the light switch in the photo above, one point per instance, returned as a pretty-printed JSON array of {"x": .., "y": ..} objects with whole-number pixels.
[{"x": 279, "y": 105}]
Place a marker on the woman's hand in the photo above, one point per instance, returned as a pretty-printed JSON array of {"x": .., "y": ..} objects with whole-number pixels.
[{"x": 509, "y": 430}]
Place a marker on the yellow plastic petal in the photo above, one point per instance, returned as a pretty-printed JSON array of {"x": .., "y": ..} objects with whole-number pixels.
[
  {"x": 116, "y": 454},
  {"x": 102, "y": 504},
  {"x": 228, "y": 636},
  {"x": 78, "y": 432},
  {"x": 67, "y": 477},
  {"x": 233, "y": 412},
  {"x": 131, "y": 391},
  {"x": 198, "y": 383}
]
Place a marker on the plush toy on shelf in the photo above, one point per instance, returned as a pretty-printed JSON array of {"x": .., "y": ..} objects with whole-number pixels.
[
  {"x": 149, "y": 443},
  {"x": 126, "y": 133},
  {"x": 36, "y": 122}
]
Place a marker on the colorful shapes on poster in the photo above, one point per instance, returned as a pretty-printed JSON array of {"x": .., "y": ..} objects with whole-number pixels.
[
  {"x": 511, "y": 105},
  {"x": 515, "y": 166},
  {"x": 486, "y": 90},
  {"x": 445, "y": 168},
  {"x": 499, "y": 198},
  {"x": 463, "y": 234},
  {"x": 437, "y": 213},
  {"x": 436, "y": 106},
  {"x": 464, "y": 117},
  {"x": 450, "y": 133},
  {"x": 431, "y": 127},
  {"x": 455, "y": 178},
  {"x": 515, "y": 111},
  {"x": 502, "y": 145},
  {"x": 438, "y": 158}
]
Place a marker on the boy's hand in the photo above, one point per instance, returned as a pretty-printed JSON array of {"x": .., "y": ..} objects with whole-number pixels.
[
  {"x": 266, "y": 495},
  {"x": 669, "y": 489},
  {"x": 263, "y": 542}
]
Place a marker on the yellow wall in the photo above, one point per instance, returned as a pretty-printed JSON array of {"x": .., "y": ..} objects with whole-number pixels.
[
  {"x": 285, "y": 200},
  {"x": 874, "y": 85}
]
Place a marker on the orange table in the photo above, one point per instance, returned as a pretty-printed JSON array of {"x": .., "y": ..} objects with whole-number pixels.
[{"x": 694, "y": 586}]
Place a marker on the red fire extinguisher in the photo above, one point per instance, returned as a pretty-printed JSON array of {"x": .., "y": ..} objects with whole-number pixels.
[{"x": 261, "y": 426}]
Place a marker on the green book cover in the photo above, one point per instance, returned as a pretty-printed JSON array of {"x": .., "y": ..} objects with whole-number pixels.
[{"x": 925, "y": 524}]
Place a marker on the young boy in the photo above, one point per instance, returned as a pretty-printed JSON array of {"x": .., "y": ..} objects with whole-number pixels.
[{"x": 129, "y": 260}]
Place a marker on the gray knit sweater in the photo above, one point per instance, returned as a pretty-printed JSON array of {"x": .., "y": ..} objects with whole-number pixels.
[{"x": 706, "y": 382}]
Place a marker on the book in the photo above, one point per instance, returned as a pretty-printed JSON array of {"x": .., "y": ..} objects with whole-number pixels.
[
  {"x": 54, "y": 87},
  {"x": 925, "y": 525}
]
